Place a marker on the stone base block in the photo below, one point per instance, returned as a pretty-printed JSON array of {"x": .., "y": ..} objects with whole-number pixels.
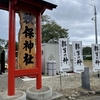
[
  {"x": 42, "y": 94},
  {"x": 19, "y": 95}
]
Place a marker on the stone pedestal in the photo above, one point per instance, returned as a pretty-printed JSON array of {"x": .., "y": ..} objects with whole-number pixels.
[
  {"x": 42, "y": 94},
  {"x": 85, "y": 78},
  {"x": 19, "y": 95}
]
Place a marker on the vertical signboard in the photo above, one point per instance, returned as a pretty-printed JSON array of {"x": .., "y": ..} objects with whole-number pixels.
[
  {"x": 26, "y": 49},
  {"x": 64, "y": 54},
  {"x": 78, "y": 65},
  {"x": 96, "y": 57}
]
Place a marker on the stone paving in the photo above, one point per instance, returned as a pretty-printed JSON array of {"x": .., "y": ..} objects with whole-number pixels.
[{"x": 69, "y": 85}]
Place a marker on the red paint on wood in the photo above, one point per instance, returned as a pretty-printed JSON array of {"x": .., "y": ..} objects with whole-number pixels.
[
  {"x": 11, "y": 50},
  {"x": 26, "y": 72},
  {"x": 38, "y": 51}
]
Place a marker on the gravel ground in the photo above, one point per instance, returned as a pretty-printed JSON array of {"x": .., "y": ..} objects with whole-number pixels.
[{"x": 71, "y": 84}]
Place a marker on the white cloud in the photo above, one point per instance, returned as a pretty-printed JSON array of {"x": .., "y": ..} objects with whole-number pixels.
[
  {"x": 76, "y": 17},
  {"x": 3, "y": 24},
  {"x": 69, "y": 14}
]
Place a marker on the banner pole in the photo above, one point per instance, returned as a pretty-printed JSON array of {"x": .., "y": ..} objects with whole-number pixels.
[
  {"x": 74, "y": 81},
  {"x": 60, "y": 82}
]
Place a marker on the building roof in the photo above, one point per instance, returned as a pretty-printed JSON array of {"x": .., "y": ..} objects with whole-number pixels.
[{"x": 33, "y": 5}]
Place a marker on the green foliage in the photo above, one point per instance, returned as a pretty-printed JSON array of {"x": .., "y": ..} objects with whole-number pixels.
[
  {"x": 1, "y": 48},
  {"x": 51, "y": 31},
  {"x": 87, "y": 51},
  {"x": 6, "y": 45},
  {"x": 16, "y": 45},
  {"x": 45, "y": 19},
  {"x": 88, "y": 58},
  {"x": 2, "y": 44}
]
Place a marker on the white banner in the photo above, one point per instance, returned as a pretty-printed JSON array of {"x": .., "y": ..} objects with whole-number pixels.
[
  {"x": 78, "y": 65},
  {"x": 64, "y": 55},
  {"x": 96, "y": 57}
]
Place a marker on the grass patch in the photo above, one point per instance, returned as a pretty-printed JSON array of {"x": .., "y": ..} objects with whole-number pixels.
[{"x": 88, "y": 63}]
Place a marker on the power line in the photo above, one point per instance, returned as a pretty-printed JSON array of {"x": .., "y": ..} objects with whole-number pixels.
[
  {"x": 95, "y": 19},
  {"x": 92, "y": 4},
  {"x": 95, "y": 27},
  {"x": 84, "y": 2},
  {"x": 89, "y": 2}
]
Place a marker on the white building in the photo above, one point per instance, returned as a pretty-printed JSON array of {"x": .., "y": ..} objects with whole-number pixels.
[{"x": 51, "y": 49}]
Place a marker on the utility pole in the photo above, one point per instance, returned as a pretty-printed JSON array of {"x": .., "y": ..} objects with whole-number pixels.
[
  {"x": 95, "y": 20},
  {"x": 95, "y": 13},
  {"x": 96, "y": 39}
]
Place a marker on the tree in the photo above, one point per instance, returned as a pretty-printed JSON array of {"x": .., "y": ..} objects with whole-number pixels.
[
  {"x": 51, "y": 31},
  {"x": 87, "y": 51},
  {"x": 1, "y": 48},
  {"x": 2, "y": 44},
  {"x": 16, "y": 45},
  {"x": 6, "y": 45}
]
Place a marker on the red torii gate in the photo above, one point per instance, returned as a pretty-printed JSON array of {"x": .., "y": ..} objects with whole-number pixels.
[{"x": 37, "y": 7}]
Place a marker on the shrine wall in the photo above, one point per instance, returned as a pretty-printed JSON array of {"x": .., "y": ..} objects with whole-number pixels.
[{"x": 52, "y": 49}]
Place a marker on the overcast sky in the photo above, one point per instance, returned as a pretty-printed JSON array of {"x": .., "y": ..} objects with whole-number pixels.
[{"x": 70, "y": 14}]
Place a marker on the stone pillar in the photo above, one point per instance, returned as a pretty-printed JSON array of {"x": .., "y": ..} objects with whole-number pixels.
[{"x": 85, "y": 79}]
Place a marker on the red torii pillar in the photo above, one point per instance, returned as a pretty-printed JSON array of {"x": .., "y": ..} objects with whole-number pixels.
[
  {"x": 12, "y": 73},
  {"x": 38, "y": 50},
  {"x": 11, "y": 50}
]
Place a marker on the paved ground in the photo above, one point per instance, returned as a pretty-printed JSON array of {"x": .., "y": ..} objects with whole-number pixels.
[
  {"x": 69, "y": 84},
  {"x": 91, "y": 98}
]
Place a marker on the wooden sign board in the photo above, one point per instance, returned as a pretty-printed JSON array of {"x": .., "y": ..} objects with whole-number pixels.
[{"x": 26, "y": 48}]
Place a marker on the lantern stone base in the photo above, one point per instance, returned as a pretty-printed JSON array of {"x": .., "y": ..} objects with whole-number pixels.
[
  {"x": 42, "y": 94},
  {"x": 19, "y": 95}
]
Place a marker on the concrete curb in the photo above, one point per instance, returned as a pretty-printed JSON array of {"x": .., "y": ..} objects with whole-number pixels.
[
  {"x": 42, "y": 94},
  {"x": 19, "y": 95}
]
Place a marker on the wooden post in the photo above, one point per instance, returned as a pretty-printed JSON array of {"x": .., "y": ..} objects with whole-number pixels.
[
  {"x": 11, "y": 50},
  {"x": 38, "y": 51}
]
